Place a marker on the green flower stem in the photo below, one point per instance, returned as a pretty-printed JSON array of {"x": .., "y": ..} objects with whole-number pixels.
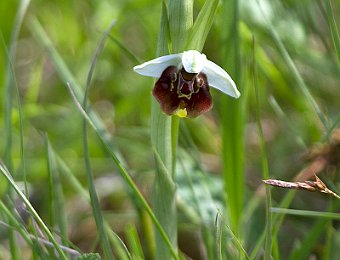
[{"x": 164, "y": 129}]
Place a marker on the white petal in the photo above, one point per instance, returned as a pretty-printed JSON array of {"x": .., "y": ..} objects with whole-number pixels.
[
  {"x": 220, "y": 79},
  {"x": 193, "y": 61},
  {"x": 155, "y": 67}
]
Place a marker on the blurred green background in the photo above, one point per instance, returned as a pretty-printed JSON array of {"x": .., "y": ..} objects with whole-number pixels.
[{"x": 122, "y": 99}]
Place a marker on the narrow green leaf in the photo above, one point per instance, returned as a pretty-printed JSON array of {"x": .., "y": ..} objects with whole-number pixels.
[
  {"x": 9, "y": 88},
  {"x": 333, "y": 28},
  {"x": 134, "y": 242},
  {"x": 199, "y": 31},
  {"x": 125, "y": 175},
  {"x": 9, "y": 178},
  {"x": 90, "y": 256},
  {"x": 120, "y": 248},
  {"x": 18, "y": 226},
  {"x": 237, "y": 243},
  {"x": 58, "y": 198},
  {"x": 66, "y": 75},
  {"x": 295, "y": 72},
  {"x": 264, "y": 161},
  {"x": 180, "y": 23},
  {"x": 306, "y": 213},
  {"x": 233, "y": 115},
  {"x": 92, "y": 190},
  {"x": 163, "y": 43}
]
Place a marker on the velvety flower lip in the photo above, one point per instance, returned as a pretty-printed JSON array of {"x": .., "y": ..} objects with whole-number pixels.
[{"x": 193, "y": 62}]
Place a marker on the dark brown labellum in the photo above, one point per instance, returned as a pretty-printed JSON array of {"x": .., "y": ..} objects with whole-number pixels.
[{"x": 178, "y": 90}]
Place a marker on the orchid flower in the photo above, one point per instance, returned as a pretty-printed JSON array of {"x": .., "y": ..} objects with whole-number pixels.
[{"x": 183, "y": 82}]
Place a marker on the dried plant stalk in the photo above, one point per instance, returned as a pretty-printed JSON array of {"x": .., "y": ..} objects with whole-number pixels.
[{"x": 316, "y": 185}]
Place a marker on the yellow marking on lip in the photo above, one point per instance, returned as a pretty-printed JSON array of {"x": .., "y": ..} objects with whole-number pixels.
[{"x": 181, "y": 112}]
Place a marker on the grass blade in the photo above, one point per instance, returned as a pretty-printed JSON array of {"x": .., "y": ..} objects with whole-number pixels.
[
  {"x": 202, "y": 25},
  {"x": 92, "y": 190},
  {"x": 67, "y": 76},
  {"x": 233, "y": 120},
  {"x": 307, "y": 213},
  {"x": 264, "y": 161},
  {"x": 126, "y": 176},
  {"x": 120, "y": 248},
  {"x": 333, "y": 28},
  {"x": 56, "y": 187},
  {"x": 295, "y": 73},
  {"x": 9, "y": 178},
  {"x": 10, "y": 78},
  {"x": 134, "y": 242}
]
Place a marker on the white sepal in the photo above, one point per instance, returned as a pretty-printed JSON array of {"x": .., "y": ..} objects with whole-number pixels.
[
  {"x": 155, "y": 67},
  {"x": 218, "y": 78}
]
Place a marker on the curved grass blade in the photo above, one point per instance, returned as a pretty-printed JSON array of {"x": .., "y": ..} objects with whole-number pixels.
[
  {"x": 92, "y": 190},
  {"x": 9, "y": 102},
  {"x": 295, "y": 72},
  {"x": 121, "y": 249},
  {"x": 125, "y": 175},
  {"x": 66, "y": 75},
  {"x": 12, "y": 183}
]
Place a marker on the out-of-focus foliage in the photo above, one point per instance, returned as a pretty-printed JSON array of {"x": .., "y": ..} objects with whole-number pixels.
[{"x": 122, "y": 99}]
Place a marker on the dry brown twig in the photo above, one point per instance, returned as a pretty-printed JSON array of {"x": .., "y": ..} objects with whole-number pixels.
[{"x": 317, "y": 185}]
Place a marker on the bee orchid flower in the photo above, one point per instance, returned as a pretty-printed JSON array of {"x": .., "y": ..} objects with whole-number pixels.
[{"x": 183, "y": 83}]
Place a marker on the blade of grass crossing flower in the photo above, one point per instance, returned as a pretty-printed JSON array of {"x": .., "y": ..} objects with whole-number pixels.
[
  {"x": 202, "y": 25},
  {"x": 233, "y": 120},
  {"x": 92, "y": 190},
  {"x": 125, "y": 175},
  {"x": 264, "y": 161}
]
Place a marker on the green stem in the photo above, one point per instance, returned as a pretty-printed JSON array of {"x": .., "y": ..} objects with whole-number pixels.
[{"x": 164, "y": 129}]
